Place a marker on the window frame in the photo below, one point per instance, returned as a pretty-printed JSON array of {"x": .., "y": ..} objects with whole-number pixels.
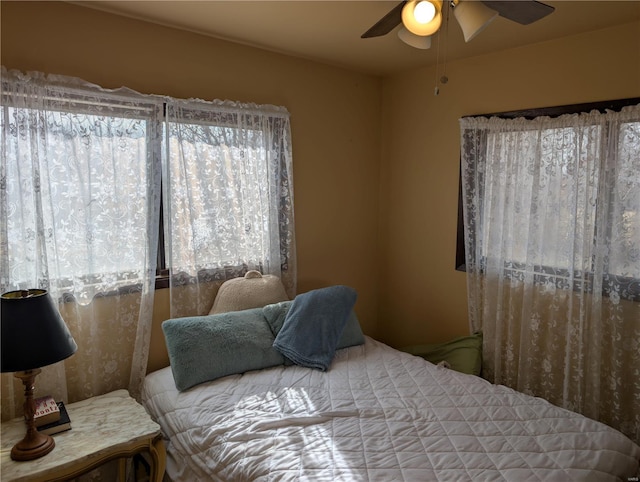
[
  {"x": 165, "y": 276},
  {"x": 555, "y": 111},
  {"x": 164, "y": 272}
]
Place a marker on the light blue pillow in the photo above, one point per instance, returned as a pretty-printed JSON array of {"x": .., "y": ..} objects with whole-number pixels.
[
  {"x": 203, "y": 348},
  {"x": 314, "y": 324}
]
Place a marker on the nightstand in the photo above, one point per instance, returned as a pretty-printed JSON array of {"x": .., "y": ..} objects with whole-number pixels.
[{"x": 103, "y": 428}]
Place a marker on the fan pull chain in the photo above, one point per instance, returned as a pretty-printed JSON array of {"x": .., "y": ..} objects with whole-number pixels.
[
  {"x": 436, "y": 90},
  {"x": 443, "y": 79}
]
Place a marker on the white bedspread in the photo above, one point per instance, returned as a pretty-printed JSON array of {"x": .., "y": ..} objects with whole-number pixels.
[{"x": 377, "y": 414}]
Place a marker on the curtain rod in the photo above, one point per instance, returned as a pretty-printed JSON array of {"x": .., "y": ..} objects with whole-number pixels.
[{"x": 557, "y": 111}]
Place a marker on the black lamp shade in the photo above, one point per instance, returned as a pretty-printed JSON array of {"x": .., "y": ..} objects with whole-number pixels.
[{"x": 33, "y": 333}]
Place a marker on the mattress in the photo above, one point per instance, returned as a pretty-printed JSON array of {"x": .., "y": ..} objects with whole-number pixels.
[{"x": 378, "y": 414}]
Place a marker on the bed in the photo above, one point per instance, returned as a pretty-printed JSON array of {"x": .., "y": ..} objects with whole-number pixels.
[{"x": 375, "y": 414}]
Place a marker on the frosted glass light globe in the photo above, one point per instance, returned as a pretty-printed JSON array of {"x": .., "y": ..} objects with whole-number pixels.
[{"x": 424, "y": 12}]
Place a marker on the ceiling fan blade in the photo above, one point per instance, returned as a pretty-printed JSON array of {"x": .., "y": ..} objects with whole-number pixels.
[
  {"x": 521, "y": 11},
  {"x": 387, "y": 23}
]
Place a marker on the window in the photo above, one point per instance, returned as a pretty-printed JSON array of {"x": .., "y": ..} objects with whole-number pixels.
[
  {"x": 569, "y": 243},
  {"x": 97, "y": 181},
  {"x": 225, "y": 204},
  {"x": 76, "y": 178}
]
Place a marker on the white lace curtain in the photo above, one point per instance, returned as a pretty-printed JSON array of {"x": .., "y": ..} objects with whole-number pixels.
[
  {"x": 78, "y": 203},
  {"x": 552, "y": 238},
  {"x": 82, "y": 175},
  {"x": 228, "y": 205}
]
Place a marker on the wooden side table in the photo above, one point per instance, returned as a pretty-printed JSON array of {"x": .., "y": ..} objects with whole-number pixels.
[{"x": 103, "y": 428}]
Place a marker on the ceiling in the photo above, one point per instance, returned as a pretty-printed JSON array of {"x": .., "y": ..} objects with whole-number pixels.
[{"x": 329, "y": 31}]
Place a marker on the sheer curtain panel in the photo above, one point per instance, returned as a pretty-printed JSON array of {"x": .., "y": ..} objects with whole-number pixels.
[
  {"x": 79, "y": 213},
  {"x": 106, "y": 192},
  {"x": 552, "y": 238},
  {"x": 228, "y": 198}
]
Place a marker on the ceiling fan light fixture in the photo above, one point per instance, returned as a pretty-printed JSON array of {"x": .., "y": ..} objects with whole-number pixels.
[
  {"x": 473, "y": 17},
  {"x": 422, "y": 17},
  {"x": 424, "y": 12},
  {"x": 417, "y": 41}
]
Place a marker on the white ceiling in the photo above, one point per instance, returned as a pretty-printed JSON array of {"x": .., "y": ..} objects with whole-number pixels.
[{"x": 329, "y": 31}]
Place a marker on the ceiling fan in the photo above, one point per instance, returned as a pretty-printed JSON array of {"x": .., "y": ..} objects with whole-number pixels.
[{"x": 422, "y": 18}]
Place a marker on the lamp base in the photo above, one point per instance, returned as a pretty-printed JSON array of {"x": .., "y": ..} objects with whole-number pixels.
[{"x": 34, "y": 444}]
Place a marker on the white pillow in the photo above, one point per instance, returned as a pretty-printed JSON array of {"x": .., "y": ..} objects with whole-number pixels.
[{"x": 254, "y": 290}]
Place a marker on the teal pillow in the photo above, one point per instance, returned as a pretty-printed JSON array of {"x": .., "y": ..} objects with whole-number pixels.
[
  {"x": 352, "y": 334},
  {"x": 203, "y": 348}
]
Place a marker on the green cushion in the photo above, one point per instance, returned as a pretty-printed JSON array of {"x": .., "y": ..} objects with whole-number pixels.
[{"x": 463, "y": 354}]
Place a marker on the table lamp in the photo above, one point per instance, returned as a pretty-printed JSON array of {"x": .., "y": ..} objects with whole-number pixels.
[{"x": 33, "y": 335}]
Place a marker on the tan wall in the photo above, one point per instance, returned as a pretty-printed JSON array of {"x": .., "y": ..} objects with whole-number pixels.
[
  {"x": 335, "y": 116},
  {"x": 425, "y": 298},
  {"x": 346, "y": 199}
]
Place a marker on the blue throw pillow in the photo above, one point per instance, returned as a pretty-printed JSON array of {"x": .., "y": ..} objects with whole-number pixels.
[
  {"x": 314, "y": 324},
  {"x": 203, "y": 348}
]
